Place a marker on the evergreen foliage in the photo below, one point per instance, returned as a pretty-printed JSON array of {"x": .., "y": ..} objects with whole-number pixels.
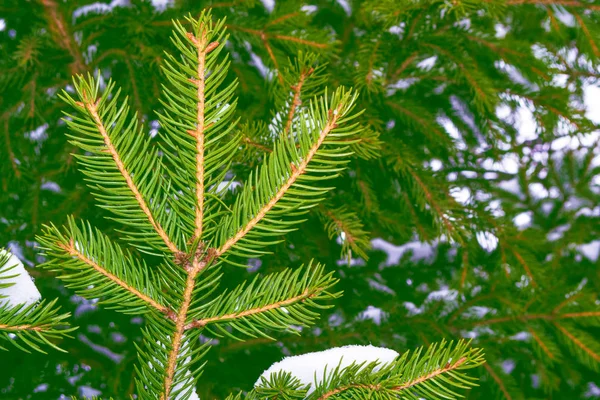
[
  {"x": 28, "y": 327},
  {"x": 494, "y": 222}
]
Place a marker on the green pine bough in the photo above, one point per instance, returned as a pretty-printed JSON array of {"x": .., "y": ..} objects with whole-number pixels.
[{"x": 170, "y": 201}]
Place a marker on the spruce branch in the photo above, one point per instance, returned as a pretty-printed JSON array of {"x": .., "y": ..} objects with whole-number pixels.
[
  {"x": 433, "y": 374},
  {"x": 33, "y": 327},
  {"x": 59, "y": 30},
  {"x": 564, "y": 3},
  {"x": 547, "y": 317},
  {"x": 436, "y": 373},
  {"x": 197, "y": 122},
  {"x": 499, "y": 382},
  {"x": 340, "y": 222},
  {"x": 98, "y": 267},
  {"x": 272, "y": 302},
  {"x": 27, "y": 326},
  {"x": 118, "y": 148},
  {"x": 320, "y": 138}
]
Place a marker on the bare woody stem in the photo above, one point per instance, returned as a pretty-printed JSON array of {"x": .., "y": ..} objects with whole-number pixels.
[
  {"x": 197, "y": 267},
  {"x": 301, "y": 297},
  {"x": 404, "y": 386},
  {"x": 198, "y": 134},
  {"x": 16, "y": 328},
  {"x": 70, "y": 248},
  {"x": 296, "y": 172},
  {"x": 92, "y": 107}
]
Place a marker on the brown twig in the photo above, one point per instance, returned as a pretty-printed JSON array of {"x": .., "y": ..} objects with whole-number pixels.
[
  {"x": 578, "y": 342},
  {"x": 197, "y": 266},
  {"x": 11, "y": 154},
  {"x": 496, "y": 378},
  {"x": 25, "y": 327},
  {"x": 297, "y": 89}
]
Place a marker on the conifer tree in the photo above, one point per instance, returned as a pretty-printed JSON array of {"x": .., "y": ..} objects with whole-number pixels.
[
  {"x": 172, "y": 210},
  {"x": 474, "y": 166}
]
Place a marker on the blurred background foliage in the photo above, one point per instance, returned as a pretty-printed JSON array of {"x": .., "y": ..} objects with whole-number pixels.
[{"x": 470, "y": 209}]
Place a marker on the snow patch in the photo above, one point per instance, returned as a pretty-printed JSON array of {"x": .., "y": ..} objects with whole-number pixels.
[
  {"x": 590, "y": 250},
  {"x": 346, "y": 6},
  {"x": 99, "y": 8},
  {"x": 375, "y": 314},
  {"x": 420, "y": 251},
  {"x": 309, "y": 368},
  {"x": 22, "y": 290},
  {"x": 269, "y": 5},
  {"x": 487, "y": 240}
]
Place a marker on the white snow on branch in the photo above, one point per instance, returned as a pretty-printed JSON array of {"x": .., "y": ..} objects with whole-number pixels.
[
  {"x": 269, "y": 5},
  {"x": 375, "y": 314},
  {"x": 590, "y": 250},
  {"x": 311, "y": 366},
  {"x": 22, "y": 290},
  {"x": 419, "y": 251}
]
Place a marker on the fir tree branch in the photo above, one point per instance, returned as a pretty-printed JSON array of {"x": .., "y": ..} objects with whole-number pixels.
[
  {"x": 259, "y": 306},
  {"x": 5, "y": 327},
  {"x": 252, "y": 311},
  {"x": 259, "y": 146},
  {"x": 547, "y": 317},
  {"x": 564, "y": 3},
  {"x": 434, "y": 203},
  {"x": 91, "y": 105},
  {"x": 541, "y": 343},
  {"x": 296, "y": 172},
  {"x": 58, "y": 28},
  {"x": 29, "y": 327},
  {"x": 422, "y": 121},
  {"x": 578, "y": 342},
  {"x": 404, "y": 386},
  {"x": 433, "y": 373},
  {"x": 71, "y": 249},
  {"x": 267, "y": 35},
  {"x": 498, "y": 381},
  {"x": 522, "y": 261},
  {"x": 587, "y": 34},
  {"x": 11, "y": 154}
]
